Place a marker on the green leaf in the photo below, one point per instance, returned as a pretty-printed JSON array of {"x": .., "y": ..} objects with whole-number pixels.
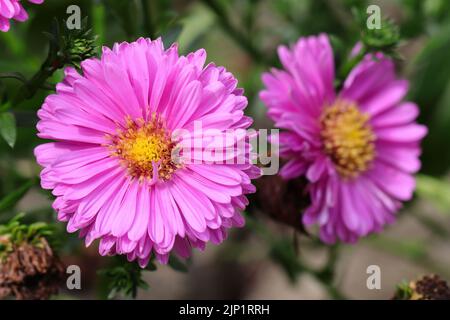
[
  {"x": 403, "y": 291},
  {"x": 8, "y": 128},
  {"x": 125, "y": 12},
  {"x": 151, "y": 266},
  {"x": 123, "y": 278},
  {"x": 99, "y": 21},
  {"x": 433, "y": 98},
  {"x": 16, "y": 233},
  {"x": 283, "y": 252},
  {"x": 435, "y": 190},
  {"x": 177, "y": 265},
  {"x": 412, "y": 249},
  {"x": 12, "y": 198},
  {"x": 171, "y": 35}
]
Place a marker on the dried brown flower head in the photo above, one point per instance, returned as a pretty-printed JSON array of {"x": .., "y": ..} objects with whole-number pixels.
[
  {"x": 282, "y": 200},
  {"x": 30, "y": 271},
  {"x": 430, "y": 287},
  {"x": 29, "y": 268}
]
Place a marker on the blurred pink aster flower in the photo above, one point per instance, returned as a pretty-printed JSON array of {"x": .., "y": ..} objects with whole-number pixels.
[
  {"x": 111, "y": 167},
  {"x": 358, "y": 148},
  {"x": 13, "y": 9}
]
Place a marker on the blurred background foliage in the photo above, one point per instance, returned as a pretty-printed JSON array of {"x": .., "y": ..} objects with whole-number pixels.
[{"x": 243, "y": 36}]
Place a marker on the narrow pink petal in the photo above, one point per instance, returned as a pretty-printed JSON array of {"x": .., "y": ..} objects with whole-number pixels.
[
  {"x": 194, "y": 218},
  {"x": 394, "y": 182},
  {"x": 407, "y": 133},
  {"x": 293, "y": 169},
  {"x": 139, "y": 227},
  {"x": 398, "y": 115},
  {"x": 126, "y": 212}
]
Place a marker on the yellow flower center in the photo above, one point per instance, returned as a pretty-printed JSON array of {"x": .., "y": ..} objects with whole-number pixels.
[
  {"x": 347, "y": 138},
  {"x": 145, "y": 149}
]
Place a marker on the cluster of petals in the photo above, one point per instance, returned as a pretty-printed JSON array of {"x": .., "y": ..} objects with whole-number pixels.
[
  {"x": 105, "y": 116},
  {"x": 325, "y": 131},
  {"x": 13, "y": 9}
]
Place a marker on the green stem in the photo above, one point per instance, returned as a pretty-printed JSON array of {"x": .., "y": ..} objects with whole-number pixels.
[
  {"x": 435, "y": 227},
  {"x": 53, "y": 62},
  {"x": 18, "y": 76},
  {"x": 238, "y": 36},
  {"x": 148, "y": 25},
  {"x": 13, "y": 75},
  {"x": 350, "y": 64},
  {"x": 29, "y": 89},
  {"x": 327, "y": 275},
  {"x": 249, "y": 16},
  {"x": 326, "y": 278},
  {"x": 334, "y": 292},
  {"x": 98, "y": 21}
]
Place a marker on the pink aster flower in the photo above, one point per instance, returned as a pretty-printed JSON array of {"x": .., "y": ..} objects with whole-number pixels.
[
  {"x": 111, "y": 167},
  {"x": 13, "y": 9},
  {"x": 358, "y": 148}
]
